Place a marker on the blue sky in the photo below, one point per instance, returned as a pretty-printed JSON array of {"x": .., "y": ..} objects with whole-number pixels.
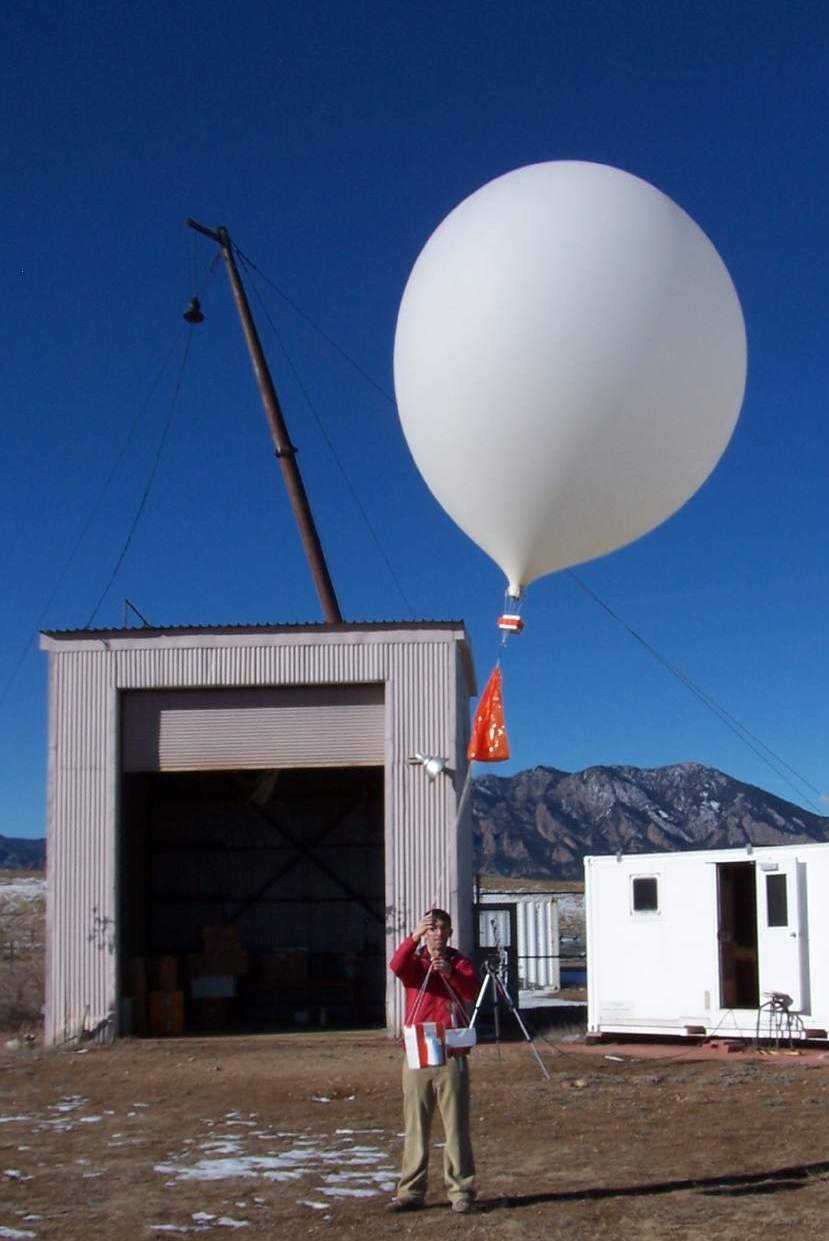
[{"x": 331, "y": 139}]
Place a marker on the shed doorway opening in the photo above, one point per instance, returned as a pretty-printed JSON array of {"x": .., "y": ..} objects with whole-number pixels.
[
  {"x": 737, "y": 935},
  {"x": 252, "y": 899}
]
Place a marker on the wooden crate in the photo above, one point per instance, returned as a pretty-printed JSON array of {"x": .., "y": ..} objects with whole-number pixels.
[{"x": 165, "y": 1017}]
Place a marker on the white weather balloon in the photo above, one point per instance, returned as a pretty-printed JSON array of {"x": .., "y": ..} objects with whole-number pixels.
[{"x": 569, "y": 363}]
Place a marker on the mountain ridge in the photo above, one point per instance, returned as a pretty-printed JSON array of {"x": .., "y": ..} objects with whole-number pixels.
[
  {"x": 540, "y": 823},
  {"x": 22, "y": 853}
]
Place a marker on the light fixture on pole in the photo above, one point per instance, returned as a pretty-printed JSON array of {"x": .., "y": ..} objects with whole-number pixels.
[{"x": 432, "y": 764}]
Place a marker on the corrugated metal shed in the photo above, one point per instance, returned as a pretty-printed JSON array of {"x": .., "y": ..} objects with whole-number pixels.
[
  {"x": 403, "y": 686},
  {"x": 538, "y": 948}
]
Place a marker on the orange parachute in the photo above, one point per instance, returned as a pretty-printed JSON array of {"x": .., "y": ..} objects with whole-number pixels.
[{"x": 489, "y": 742}]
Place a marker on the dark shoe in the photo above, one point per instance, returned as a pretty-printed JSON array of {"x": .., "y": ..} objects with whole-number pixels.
[
  {"x": 462, "y": 1206},
  {"x": 404, "y": 1204}
]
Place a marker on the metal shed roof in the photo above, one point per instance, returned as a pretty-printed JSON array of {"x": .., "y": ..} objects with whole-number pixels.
[
  {"x": 59, "y": 640},
  {"x": 257, "y": 627}
]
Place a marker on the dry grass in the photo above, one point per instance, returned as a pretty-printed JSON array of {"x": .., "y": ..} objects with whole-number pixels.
[
  {"x": 101, "y": 1142},
  {"x": 22, "y": 934},
  {"x": 105, "y": 1141}
]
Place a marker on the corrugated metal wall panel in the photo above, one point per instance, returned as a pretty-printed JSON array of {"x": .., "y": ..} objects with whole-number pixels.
[
  {"x": 234, "y": 729},
  {"x": 299, "y": 663},
  {"x": 426, "y": 695},
  {"x": 422, "y": 847},
  {"x": 80, "y": 983},
  {"x": 538, "y": 936}
]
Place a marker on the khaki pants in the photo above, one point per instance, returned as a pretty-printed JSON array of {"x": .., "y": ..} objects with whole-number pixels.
[{"x": 448, "y": 1088}]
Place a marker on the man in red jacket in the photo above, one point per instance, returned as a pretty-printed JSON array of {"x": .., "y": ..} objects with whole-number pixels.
[{"x": 451, "y": 983}]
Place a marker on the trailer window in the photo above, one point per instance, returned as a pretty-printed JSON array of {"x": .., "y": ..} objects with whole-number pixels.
[
  {"x": 777, "y": 900},
  {"x": 645, "y": 895}
]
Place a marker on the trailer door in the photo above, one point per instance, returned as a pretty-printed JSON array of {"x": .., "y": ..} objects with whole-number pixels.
[{"x": 781, "y": 944}]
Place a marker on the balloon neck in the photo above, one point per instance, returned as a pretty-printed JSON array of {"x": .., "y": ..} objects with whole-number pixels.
[{"x": 510, "y": 621}]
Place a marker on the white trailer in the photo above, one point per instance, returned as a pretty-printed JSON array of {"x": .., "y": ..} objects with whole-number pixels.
[{"x": 733, "y": 942}]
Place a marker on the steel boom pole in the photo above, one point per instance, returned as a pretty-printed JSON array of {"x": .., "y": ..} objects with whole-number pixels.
[{"x": 285, "y": 451}]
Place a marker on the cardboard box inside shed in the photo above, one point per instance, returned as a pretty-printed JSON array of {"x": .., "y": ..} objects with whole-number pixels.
[
  {"x": 166, "y": 1013},
  {"x": 162, "y": 973}
]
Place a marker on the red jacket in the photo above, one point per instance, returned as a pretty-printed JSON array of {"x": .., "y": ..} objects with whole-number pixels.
[{"x": 411, "y": 964}]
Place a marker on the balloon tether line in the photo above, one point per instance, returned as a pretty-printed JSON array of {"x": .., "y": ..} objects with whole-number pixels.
[
  {"x": 512, "y": 606},
  {"x": 510, "y": 619},
  {"x": 451, "y": 837}
]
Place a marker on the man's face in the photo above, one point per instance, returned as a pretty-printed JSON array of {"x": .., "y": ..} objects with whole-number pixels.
[{"x": 437, "y": 937}]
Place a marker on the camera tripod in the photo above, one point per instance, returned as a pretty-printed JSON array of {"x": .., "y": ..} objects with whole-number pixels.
[{"x": 499, "y": 991}]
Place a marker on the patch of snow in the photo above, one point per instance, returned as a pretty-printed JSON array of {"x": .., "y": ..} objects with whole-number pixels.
[
  {"x": 335, "y": 1178},
  {"x": 271, "y": 1167},
  {"x": 222, "y": 1147},
  {"x": 55, "y": 1125},
  {"x": 16, "y": 1232},
  {"x": 336, "y": 1161},
  {"x": 570, "y": 903},
  {"x": 19, "y": 891},
  {"x": 342, "y": 1192},
  {"x": 69, "y": 1103}
]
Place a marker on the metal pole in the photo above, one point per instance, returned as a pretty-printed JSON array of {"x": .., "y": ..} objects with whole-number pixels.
[{"x": 285, "y": 451}]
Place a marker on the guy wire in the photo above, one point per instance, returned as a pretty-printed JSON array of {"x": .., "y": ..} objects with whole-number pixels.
[
  {"x": 329, "y": 442},
  {"x": 148, "y": 486}
]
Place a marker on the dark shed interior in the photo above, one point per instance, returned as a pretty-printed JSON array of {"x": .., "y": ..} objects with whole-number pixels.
[{"x": 251, "y": 899}]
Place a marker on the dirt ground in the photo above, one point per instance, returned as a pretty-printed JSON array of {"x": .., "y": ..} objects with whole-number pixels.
[{"x": 287, "y": 1135}]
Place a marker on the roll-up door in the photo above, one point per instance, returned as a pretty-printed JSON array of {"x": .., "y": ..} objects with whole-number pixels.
[{"x": 232, "y": 729}]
